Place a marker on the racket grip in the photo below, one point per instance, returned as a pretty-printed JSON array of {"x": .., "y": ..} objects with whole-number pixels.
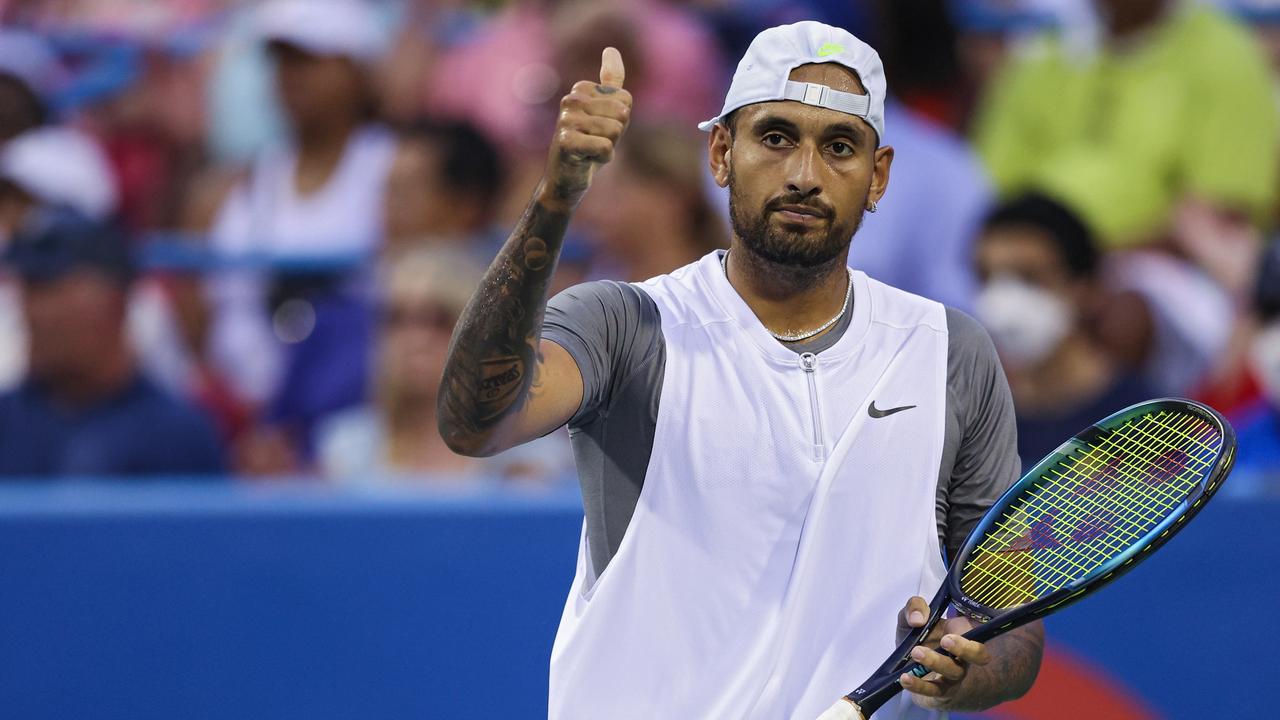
[
  {"x": 920, "y": 671},
  {"x": 842, "y": 710}
]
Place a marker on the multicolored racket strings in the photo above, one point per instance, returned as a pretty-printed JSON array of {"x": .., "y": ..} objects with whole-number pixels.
[{"x": 1090, "y": 507}]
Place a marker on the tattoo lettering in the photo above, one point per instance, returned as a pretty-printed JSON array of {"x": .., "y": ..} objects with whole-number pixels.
[{"x": 499, "y": 383}]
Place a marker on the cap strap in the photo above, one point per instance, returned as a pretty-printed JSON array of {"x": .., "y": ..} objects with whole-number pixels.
[{"x": 823, "y": 96}]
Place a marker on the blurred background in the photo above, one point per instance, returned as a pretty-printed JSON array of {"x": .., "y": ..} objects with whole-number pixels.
[{"x": 236, "y": 236}]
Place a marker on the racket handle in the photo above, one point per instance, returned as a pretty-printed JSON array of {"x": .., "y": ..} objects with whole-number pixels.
[
  {"x": 842, "y": 710},
  {"x": 920, "y": 671},
  {"x": 872, "y": 701},
  {"x": 980, "y": 633}
]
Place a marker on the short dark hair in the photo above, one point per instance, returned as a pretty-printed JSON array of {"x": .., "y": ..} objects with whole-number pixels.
[
  {"x": 729, "y": 124},
  {"x": 470, "y": 161},
  {"x": 1071, "y": 237},
  {"x": 29, "y": 110}
]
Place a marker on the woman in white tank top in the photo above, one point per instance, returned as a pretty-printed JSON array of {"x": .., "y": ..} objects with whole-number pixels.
[{"x": 316, "y": 196}]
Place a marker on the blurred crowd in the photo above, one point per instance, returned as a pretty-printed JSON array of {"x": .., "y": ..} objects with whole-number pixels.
[{"x": 237, "y": 235}]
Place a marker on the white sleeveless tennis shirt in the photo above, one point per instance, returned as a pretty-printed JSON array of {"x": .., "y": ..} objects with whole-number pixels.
[{"x": 780, "y": 528}]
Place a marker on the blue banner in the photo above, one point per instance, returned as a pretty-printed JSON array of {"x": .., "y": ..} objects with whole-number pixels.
[{"x": 164, "y": 601}]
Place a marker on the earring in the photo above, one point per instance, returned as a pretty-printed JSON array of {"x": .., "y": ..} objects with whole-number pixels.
[{"x": 872, "y": 207}]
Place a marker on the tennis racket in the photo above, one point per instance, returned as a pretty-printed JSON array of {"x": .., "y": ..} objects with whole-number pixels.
[{"x": 1088, "y": 513}]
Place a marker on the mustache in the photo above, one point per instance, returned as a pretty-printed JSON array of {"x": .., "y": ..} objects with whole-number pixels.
[{"x": 820, "y": 208}]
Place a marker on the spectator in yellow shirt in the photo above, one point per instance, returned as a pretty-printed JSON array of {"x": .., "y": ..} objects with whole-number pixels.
[{"x": 1174, "y": 109}]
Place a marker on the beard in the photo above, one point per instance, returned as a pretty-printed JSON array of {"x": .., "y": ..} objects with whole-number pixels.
[{"x": 797, "y": 250}]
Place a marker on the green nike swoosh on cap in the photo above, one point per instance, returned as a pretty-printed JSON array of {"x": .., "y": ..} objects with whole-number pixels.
[{"x": 830, "y": 49}]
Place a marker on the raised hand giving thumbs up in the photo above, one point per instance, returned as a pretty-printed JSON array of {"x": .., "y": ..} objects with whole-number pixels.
[{"x": 592, "y": 118}]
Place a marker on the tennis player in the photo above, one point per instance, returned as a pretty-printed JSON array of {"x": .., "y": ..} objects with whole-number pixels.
[{"x": 774, "y": 450}]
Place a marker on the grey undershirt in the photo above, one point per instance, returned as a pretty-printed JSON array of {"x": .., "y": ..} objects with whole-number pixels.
[{"x": 613, "y": 331}]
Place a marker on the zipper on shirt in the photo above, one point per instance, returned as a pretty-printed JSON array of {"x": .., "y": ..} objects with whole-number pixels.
[{"x": 809, "y": 364}]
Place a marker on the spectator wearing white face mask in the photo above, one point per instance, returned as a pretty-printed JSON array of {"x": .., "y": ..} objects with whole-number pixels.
[
  {"x": 1038, "y": 263},
  {"x": 1258, "y": 462}
]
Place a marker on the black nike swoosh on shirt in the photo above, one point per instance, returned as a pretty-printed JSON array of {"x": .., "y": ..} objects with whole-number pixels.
[{"x": 875, "y": 412}]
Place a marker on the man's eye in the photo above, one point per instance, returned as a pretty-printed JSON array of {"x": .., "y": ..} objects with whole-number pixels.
[
  {"x": 841, "y": 149},
  {"x": 774, "y": 140}
]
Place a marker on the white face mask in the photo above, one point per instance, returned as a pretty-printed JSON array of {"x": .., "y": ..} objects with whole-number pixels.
[
  {"x": 1026, "y": 322},
  {"x": 1266, "y": 361}
]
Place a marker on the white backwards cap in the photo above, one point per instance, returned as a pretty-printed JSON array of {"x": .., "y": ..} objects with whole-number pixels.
[{"x": 763, "y": 71}]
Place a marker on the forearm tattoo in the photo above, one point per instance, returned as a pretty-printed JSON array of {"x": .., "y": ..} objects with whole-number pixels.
[{"x": 493, "y": 358}]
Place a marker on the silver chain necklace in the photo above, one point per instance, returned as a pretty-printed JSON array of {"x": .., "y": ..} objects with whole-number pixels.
[{"x": 848, "y": 298}]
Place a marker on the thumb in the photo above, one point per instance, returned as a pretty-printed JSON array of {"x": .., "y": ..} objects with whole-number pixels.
[
  {"x": 612, "y": 72},
  {"x": 914, "y": 614}
]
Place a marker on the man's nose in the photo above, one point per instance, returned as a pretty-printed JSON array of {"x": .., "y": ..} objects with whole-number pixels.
[{"x": 803, "y": 177}]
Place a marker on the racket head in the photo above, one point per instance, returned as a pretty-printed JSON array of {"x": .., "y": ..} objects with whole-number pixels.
[{"x": 1091, "y": 509}]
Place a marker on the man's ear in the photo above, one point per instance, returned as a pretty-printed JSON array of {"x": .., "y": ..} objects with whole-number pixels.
[
  {"x": 720, "y": 150},
  {"x": 880, "y": 173}
]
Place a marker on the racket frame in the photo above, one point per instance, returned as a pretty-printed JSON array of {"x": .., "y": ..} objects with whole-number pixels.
[{"x": 886, "y": 681}]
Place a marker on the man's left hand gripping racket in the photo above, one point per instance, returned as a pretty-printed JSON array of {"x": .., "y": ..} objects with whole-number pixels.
[{"x": 1081, "y": 518}]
